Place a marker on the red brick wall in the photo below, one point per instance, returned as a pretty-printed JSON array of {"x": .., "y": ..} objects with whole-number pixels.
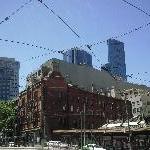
[
  {"x": 63, "y": 106},
  {"x": 29, "y": 108},
  {"x": 58, "y": 106}
]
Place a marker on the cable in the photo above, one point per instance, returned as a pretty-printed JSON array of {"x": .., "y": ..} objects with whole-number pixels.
[
  {"x": 56, "y": 51},
  {"x": 95, "y": 66},
  {"x": 120, "y": 35},
  {"x": 85, "y": 45},
  {"x": 89, "y": 46},
  {"x": 97, "y": 43},
  {"x": 27, "y": 44},
  {"x": 53, "y": 51},
  {"x": 41, "y": 47},
  {"x": 138, "y": 8},
  {"x": 14, "y": 12},
  {"x": 53, "y": 12},
  {"x": 39, "y": 56}
]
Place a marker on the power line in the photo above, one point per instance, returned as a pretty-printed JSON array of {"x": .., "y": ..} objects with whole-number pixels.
[
  {"x": 85, "y": 45},
  {"x": 120, "y": 35},
  {"x": 14, "y": 12},
  {"x": 42, "y": 48},
  {"x": 27, "y": 44},
  {"x": 89, "y": 47},
  {"x": 39, "y": 56},
  {"x": 138, "y": 8},
  {"x": 60, "y": 18},
  {"x": 131, "y": 76}
]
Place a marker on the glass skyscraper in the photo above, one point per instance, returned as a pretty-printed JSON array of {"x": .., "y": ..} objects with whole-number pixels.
[
  {"x": 9, "y": 78},
  {"x": 77, "y": 56},
  {"x": 116, "y": 59}
]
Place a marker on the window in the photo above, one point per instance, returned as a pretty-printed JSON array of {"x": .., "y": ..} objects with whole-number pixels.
[
  {"x": 64, "y": 107},
  {"x": 78, "y": 109},
  {"x": 134, "y": 110},
  {"x": 131, "y": 92},
  {"x": 138, "y": 109},
  {"x": 99, "y": 102},
  {"x": 135, "y": 93},
  {"x": 71, "y": 108},
  {"x": 133, "y": 103},
  {"x": 138, "y": 103}
]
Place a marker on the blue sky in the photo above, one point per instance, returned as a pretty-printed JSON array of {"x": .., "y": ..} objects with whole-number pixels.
[{"x": 93, "y": 20}]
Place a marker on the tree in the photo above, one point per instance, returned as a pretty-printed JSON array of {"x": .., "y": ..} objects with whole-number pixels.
[{"x": 7, "y": 114}]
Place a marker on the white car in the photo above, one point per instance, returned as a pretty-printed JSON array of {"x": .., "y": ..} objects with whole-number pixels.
[
  {"x": 53, "y": 143},
  {"x": 11, "y": 144},
  {"x": 93, "y": 147}
]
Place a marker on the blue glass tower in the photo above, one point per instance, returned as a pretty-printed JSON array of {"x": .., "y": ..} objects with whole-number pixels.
[
  {"x": 77, "y": 56},
  {"x": 116, "y": 59},
  {"x": 9, "y": 78}
]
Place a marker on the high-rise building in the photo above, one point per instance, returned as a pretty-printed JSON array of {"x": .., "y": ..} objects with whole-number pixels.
[
  {"x": 78, "y": 56},
  {"x": 116, "y": 59},
  {"x": 9, "y": 78}
]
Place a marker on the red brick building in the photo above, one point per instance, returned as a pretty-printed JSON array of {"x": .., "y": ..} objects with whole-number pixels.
[{"x": 51, "y": 104}]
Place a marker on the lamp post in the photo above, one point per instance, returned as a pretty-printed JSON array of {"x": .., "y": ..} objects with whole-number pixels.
[
  {"x": 81, "y": 130},
  {"x": 129, "y": 131},
  {"x": 1, "y": 137},
  {"x": 84, "y": 124}
]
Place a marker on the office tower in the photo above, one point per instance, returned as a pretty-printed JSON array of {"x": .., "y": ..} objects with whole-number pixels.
[
  {"x": 77, "y": 56},
  {"x": 9, "y": 78},
  {"x": 116, "y": 59}
]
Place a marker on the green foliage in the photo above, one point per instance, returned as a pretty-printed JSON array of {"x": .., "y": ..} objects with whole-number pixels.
[{"x": 7, "y": 114}]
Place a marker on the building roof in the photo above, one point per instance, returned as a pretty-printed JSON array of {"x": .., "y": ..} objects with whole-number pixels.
[{"x": 88, "y": 78}]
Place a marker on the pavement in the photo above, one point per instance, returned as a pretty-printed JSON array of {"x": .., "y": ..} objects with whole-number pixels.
[{"x": 34, "y": 148}]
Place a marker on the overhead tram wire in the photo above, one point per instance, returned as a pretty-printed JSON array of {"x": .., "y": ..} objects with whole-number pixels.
[
  {"x": 14, "y": 12},
  {"x": 84, "y": 45},
  {"x": 132, "y": 30},
  {"x": 96, "y": 43},
  {"x": 52, "y": 11},
  {"x": 120, "y": 35},
  {"x": 28, "y": 44},
  {"x": 114, "y": 37},
  {"x": 89, "y": 47},
  {"x": 131, "y": 76},
  {"x": 138, "y": 8},
  {"x": 60, "y": 18}
]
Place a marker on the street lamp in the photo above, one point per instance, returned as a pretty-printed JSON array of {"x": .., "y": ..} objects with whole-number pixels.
[{"x": 129, "y": 131}]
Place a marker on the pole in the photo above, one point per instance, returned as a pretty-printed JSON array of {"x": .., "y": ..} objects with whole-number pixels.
[
  {"x": 129, "y": 131},
  {"x": 44, "y": 127},
  {"x": 32, "y": 80},
  {"x": 81, "y": 130},
  {"x": 84, "y": 123}
]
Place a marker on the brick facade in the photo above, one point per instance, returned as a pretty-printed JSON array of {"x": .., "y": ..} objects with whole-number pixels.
[{"x": 53, "y": 104}]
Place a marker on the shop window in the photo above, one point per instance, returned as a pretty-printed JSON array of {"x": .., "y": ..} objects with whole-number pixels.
[
  {"x": 133, "y": 103},
  {"x": 71, "y": 108},
  {"x": 138, "y": 109},
  {"x": 134, "y": 110}
]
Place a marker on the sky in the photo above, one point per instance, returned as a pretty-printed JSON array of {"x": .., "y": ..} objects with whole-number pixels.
[{"x": 93, "y": 20}]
